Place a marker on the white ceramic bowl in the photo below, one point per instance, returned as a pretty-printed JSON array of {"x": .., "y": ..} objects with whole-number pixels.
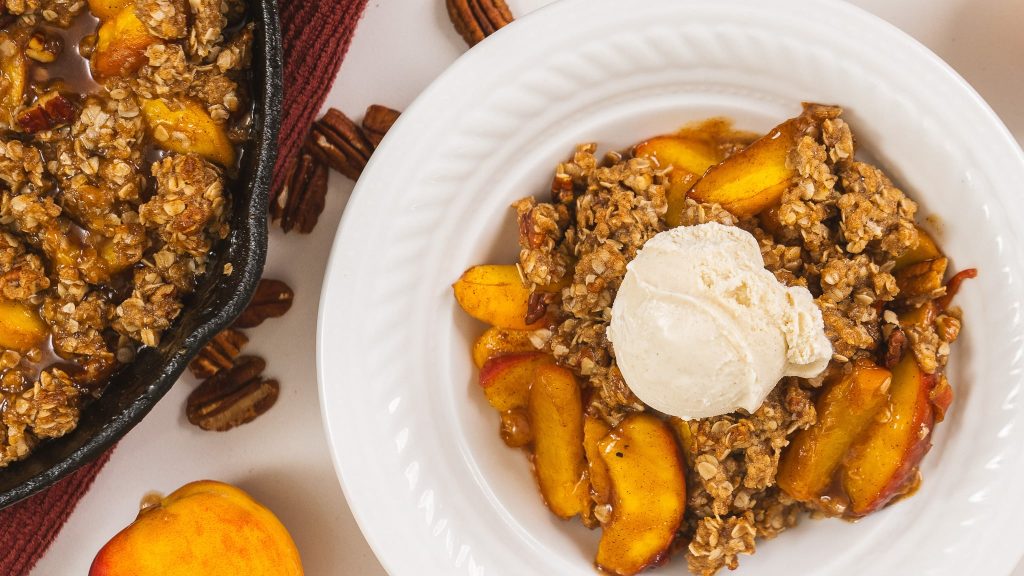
[{"x": 415, "y": 445}]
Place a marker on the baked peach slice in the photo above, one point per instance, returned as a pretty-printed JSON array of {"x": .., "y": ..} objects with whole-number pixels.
[
  {"x": 689, "y": 158},
  {"x": 21, "y": 328},
  {"x": 882, "y": 465},
  {"x": 845, "y": 408},
  {"x": 499, "y": 341},
  {"x": 13, "y": 74},
  {"x": 121, "y": 44},
  {"x": 107, "y": 9},
  {"x": 506, "y": 379},
  {"x": 754, "y": 179},
  {"x": 184, "y": 126},
  {"x": 648, "y": 494},
  {"x": 921, "y": 278},
  {"x": 925, "y": 250},
  {"x": 556, "y": 417},
  {"x": 495, "y": 294}
]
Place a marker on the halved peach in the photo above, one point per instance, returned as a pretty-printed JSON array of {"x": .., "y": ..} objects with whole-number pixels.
[
  {"x": 926, "y": 249},
  {"x": 498, "y": 341},
  {"x": 495, "y": 294},
  {"x": 921, "y": 278},
  {"x": 883, "y": 464},
  {"x": 121, "y": 44},
  {"x": 846, "y": 407},
  {"x": 21, "y": 328},
  {"x": 594, "y": 430},
  {"x": 507, "y": 379},
  {"x": 754, "y": 179},
  {"x": 648, "y": 494},
  {"x": 556, "y": 417},
  {"x": 689, "y": 157},
  {"x": 184, "y": 126}
]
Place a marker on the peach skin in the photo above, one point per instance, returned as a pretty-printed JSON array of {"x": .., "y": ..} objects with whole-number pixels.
[
  {"x": 206, "y": 527},
  {"x": 846, "y": 407},
  {"x": 883, "y": 464}
]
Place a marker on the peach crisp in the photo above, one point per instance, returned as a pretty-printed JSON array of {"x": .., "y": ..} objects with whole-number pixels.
[{"x": 844, "y": 442}]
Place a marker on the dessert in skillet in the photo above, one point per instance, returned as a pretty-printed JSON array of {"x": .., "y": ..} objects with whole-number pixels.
[
  {"x": 713, "y": 333},
  {"x": 121, "y": 123}
]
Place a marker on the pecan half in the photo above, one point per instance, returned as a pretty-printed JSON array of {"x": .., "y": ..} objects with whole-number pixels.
[
  {"x": 377, "y": 121},
  {"x": 50, "y": 110},
  {"x": 895, "y": 346},
  {"x": 475, "y": 20},
  {"x": 219, "y": 354},
  {"x": 273, "y": 299},
  {"x": 340, "y": 143},
  {"x": 302, "y": 199},
  {"x": 232, "y": 397}
]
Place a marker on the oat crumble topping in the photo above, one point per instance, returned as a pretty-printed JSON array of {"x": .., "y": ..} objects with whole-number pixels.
[{"x": 104, "y": 231}]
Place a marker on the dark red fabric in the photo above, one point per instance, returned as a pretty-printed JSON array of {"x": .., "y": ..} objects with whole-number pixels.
[
  {"x": 28, "y": 528},
  {"x": 316, "y": 34}
]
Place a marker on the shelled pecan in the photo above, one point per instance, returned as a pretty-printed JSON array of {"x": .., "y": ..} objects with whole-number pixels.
[
  {"x": 377, "y": 121},
  {"x": 233, "y": 397},
  {"x": 273, "y": 299},
  {"x": 340, "y": 143},
  {"x": 475, "y": 20},
  {"x": 219, "y": 354},
  {"x": 50, "y": 110},
  {"x": 301, "y": 201}
]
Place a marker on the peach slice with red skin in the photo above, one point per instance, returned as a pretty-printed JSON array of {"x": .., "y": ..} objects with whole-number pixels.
[
  {"x": 507, "y": 379},
  {"x": 648, "y": 494},
  {"x": 495, "y": 294},
  {"x": 499, "y": 341},
  {"x": 556, "y": 417},
  {"x": 845, "y": 408},
  {"x": 882, "y": 465}
]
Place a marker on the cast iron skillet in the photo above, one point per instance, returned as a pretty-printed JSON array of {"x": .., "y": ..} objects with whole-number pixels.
[{"x": 218, "y": 300}]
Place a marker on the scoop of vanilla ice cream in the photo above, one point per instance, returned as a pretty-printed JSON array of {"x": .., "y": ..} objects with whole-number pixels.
[{"x": 699, "y": 327}]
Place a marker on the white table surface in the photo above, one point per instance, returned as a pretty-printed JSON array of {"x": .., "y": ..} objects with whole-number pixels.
[{"x": 282, "y": 458}]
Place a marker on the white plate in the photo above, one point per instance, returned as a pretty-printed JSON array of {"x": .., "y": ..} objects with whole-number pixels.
[{"x": 415, "y": 445}]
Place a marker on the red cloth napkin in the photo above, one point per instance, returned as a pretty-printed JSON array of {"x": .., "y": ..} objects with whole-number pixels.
[{"x": 316, "y": 35}]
